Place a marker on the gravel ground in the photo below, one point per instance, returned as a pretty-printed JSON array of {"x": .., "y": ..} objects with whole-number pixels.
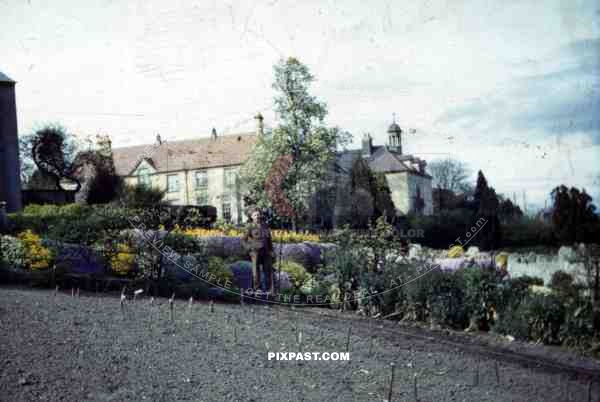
[{"x": 74, "y": 349}]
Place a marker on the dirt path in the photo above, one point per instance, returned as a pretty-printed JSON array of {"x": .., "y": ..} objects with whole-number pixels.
[{"x": 69, "y": 348}]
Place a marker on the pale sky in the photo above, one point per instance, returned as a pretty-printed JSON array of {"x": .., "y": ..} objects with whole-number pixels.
[{"x": 509, "y": 87}]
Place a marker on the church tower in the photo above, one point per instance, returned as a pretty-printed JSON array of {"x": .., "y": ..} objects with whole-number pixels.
[
  {"x": 395, "y": 137},
  {"x": 10, "y": 178}
]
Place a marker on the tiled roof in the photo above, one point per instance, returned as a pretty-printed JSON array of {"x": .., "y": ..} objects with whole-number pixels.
[
  {"x": 225, "y": 150},
  {"x": 382, "y": 160},
  {"x": 5, "y": 78},
  {"x": 386, "y": 161}
]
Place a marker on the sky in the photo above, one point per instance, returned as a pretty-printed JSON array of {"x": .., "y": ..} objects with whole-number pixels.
[{"x": 511, "y": 87}]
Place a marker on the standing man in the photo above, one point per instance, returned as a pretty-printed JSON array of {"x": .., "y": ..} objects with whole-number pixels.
[{"x": 258, "y": 241}]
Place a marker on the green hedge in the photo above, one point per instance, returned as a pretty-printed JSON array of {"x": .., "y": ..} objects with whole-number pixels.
[{"x": 86, "y": 224}]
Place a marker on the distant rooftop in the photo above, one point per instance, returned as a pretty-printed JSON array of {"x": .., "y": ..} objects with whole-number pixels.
[
  {"x": 200, "y": 153},
  {"x": 5, "y": 78}
]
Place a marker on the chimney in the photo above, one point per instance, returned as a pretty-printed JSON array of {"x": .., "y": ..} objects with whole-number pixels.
[
  {"x": 422, "y": 166},
  {"x": 158, "y": 139},
  {"x": 213, "y": 134},
  {"x": 104, "y": 145},
  {"x": 260, "y": 128},
  {"x": 367, "y": 145}
]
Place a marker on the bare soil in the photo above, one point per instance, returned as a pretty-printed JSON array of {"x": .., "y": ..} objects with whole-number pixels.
[{"x": 59, "y": 347}]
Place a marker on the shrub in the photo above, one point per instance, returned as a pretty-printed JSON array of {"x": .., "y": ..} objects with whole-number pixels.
[
  {"x": 87, "y": 224},
  {"x": 12, "y": 252},
  {"x": 447, "y": 299},
  {"x": 578, "y": 329},
  {"x": 297, "y": 273},
  {"x": 438, "y": 296},
  {"x": 242, "y": 274},
  {"x": 512, "y": 292},
  {"x": 218, "y": 268},
  {"x": 527, "y": 232},
  {"x": 140, "y": 196},
  {"x": 123, "y": 259},
  {"x": 511, "y": 322},
  {"x": 481, "y": 294},
  {"x": 564, "y": 285},
  {"x": 545, "y": 314},
  {"x": 538, "y": 318},
  {"x": 442, "y": 230},
  {"x": 37, "y": 257}
]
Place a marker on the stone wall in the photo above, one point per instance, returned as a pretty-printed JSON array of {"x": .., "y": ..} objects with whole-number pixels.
[
  {"x": 544, "y": 265},
  {"x": 567, "y": 259}
]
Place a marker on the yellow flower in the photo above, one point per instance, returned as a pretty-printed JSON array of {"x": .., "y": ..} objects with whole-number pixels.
[
  {"x": 283, "y": 236},
  {"x": 455, "y": 252},
  {"x": 36, "y": 255},
  {"x": 123, "y": 260}
]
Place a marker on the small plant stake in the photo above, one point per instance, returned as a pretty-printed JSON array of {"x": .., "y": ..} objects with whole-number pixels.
[
  {"x": 152, "y": 300},
  {"x": 415, "y": 388},
  {"x": 72, "y": 292},
  {"x": 190, "y": 302},
  {"x": 77, "y": 292},
  {"x": 242, "y": 296},
  {"x": 391, "y": 382},
  {"x": 228, "y": 318},
  {"x": 235, "y": 334},
  {"x": 171, "y": 306},
  {"x": 589, "y": 391},
  {"x": 348, "y": 339},
  {"x": 268, "y": 349},
  {"x": 136, "y": 293},
  {"x": 55, "y": 290},
  {"x": 497, "y": 370},
  {"x": 211, "y": 305},
  {"x": 300, "y": 340},
  {"x": 476, "y": 375},
  {"x": 123, "y": 298}
]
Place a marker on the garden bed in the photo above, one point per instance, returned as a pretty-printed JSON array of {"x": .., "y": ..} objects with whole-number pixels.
[{"x": 69, "y": 348}]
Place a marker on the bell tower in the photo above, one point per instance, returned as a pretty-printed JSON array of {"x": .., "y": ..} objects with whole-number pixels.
[{"x": 395, "y": 137}]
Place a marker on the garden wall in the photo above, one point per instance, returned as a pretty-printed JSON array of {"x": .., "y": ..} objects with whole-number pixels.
[
  {"x": 544, "y": 265},
  {"x": 567, "y": 259}
]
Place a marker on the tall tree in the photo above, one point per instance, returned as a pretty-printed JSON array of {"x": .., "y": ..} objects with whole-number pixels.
[
  {"x": 509, "y": 212},
  {"x": 487, "y": 208},
  {"x": 450, "y": 174},
  {"x": 97, "y": 171},
  {"x": 480, "y": 189},
  {"x": 371, "y": 196},
  {"x": 574, "y": 216},
  {"x": 52, "y": 149},
  {"x": 301, "y": 133}
]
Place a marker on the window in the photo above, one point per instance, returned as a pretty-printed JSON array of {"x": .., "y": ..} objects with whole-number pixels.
[
  {"x": 230, "y": 193},
  {"x": 144, "y": 177},
  {"x": 201, "y": 179},
  {"x": 201, "y": 184},
  {"x": 227, "y": 211},
  {"x": 230, "y": 177},
  {"x": 173, "y": 183}
]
